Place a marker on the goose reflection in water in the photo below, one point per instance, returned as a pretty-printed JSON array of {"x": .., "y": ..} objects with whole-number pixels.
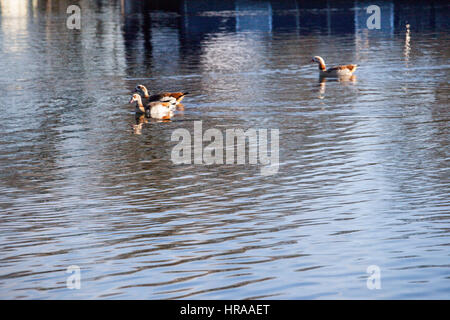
[
  {"x": 346, "y": 80},
  {"x": 140, "y": 121}
]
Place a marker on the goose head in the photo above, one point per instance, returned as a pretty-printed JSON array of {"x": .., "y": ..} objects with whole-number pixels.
[
  {"x": 320, "y": 61},
  {"x": 317, "y": 59},
  {"x": 136, "y": 98},
  {"x": 142, "y": 90}
]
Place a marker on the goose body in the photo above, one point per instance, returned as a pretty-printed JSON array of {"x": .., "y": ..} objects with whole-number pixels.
[
  {"x": 173, "y": 97},
  {"x": 161, "y": 110},
  {"x": 334, "y": 72},
  {"x": 155, "y": 109}
]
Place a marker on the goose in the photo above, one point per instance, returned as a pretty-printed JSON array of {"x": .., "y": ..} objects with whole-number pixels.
[
  {"x": 339, "y": 71},
  {"x": 163, "y": 96},
  {"x": 155, "y": 109}
]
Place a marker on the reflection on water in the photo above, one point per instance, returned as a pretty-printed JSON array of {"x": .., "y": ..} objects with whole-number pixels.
[
  {"x": 363, "y": 177},
  {"x": 345, "y": 81},
  {"x": 407, "y": 49}
]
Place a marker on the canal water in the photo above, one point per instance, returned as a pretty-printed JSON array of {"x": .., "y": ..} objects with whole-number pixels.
[{"x": 363, "y": 179}]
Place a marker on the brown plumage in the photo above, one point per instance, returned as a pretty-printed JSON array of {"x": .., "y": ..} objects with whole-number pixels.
[
  {"x": 176, "y": 97},
  {"x": 350, "y": 67},
  {"x": 154, "y": 109},
  {"x": 338, "y": 71}
]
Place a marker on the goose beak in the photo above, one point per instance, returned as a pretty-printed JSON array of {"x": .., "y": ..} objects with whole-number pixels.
[{"x": 131, "y": 100}]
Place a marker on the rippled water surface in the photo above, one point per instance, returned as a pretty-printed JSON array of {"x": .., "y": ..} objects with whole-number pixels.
[{"x": 363, "y": 176}]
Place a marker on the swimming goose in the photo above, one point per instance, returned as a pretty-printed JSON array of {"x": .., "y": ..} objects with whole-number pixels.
[
  {"x": 155, "y": 109},
  {"x": 163, "y": 96},
  {"x": 339, "y": 71}
]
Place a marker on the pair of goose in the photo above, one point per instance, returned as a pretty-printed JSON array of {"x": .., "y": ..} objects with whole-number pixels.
[
  {"x": 157, "y": 106},
  {"x": 162, "y": 105}
]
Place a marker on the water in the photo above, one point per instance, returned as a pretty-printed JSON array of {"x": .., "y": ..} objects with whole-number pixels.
[{"x": 364, "y": 165}]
